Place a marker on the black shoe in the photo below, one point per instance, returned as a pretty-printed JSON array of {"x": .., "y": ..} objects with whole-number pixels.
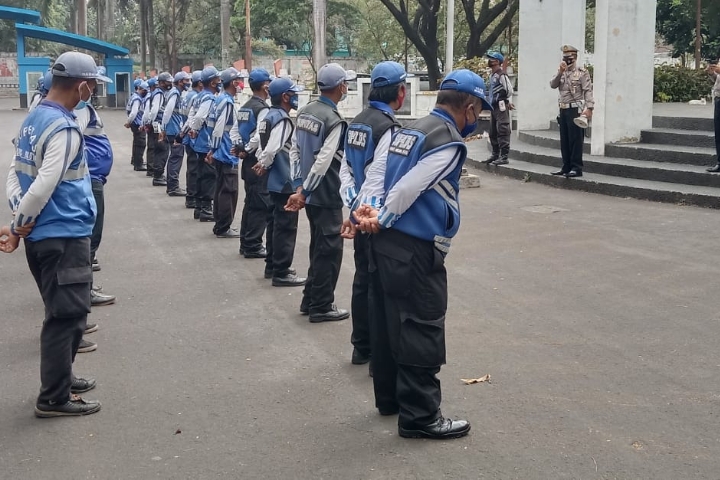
[
  {"x": 492, "y": 158},
  {"x": 98, "y": 299},
  {"x": 229, "y": 233},
  {"x": 359, "y": 357},
  {"x": 196, "y": 213},
  {"x": 159, "y": 182},
  {"x": 141, "y": 168},
  {"x": 500, "y": 161},
  {"x": 304, "y": 309},
  {"x": 441, "y": 429},
  {"x": 91, "y": 328},
  {"x": 387, "y": 411},
  {"x": 714, "y": 169},
  {"x": 86, "y": 346},
  {"x": 74, "y": 407},
  {"x": 178, "y": 192},
  {"x": 206, "y": 216},
  {"x": 269, "y": 272},
  {"x": 82, "y": 385},
  {"x": 370, "y": 372},
  {"x": 190, "y": 204},
  {"x": 149, "y": 173},
  {"x": 333, "y": 315},
  {"x": 559, "y": 172},
  {"x": 259, "y": 253},
  {"x": 96, "y": 265},
  {"x": 289, "y": 280},
  {"x": 574, "y": 174}
]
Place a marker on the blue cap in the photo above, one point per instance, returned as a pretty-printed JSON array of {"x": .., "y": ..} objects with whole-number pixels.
[
  {"x": 228, "y": 75},
  {"x": 259, "y": 75},
  {"x": 153, "y": 81},
  {"x": 143, "y": 85},
  {"x": 333, "y": 74},
  {"x": 137, "y": 82},
  {"x": 180, "y": 76},
  {"x": 496, "y": 56},
  {"x": 196, "y": 77},
  {"x": 46, "y": 82},
  {"x": 281, "y": 85},
  {"x": 208, "y": 73},
  {"x": 387, "y": 73},
  {"x": 465, "y": 81}
]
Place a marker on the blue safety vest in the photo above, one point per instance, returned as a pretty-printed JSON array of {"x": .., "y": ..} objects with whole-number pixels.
[
  {"x": 279, "y": 179},
  {"x": 435, "y": 214},
  {"x": 173, "y": 126},
  {"x": 71, "y": 210},
  {"x": 222, "y": 147},
  {"x": 188, "y": 103},
  {"x": 248, "y": 115},
  {"x": 98, "y": 151},
  {"x": 155, "y": 93},
  {"x": 202, "y": 142},
  {"x": 136, "y": 98}
]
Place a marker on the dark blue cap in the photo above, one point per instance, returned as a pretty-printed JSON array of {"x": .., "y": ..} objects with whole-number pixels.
[
  {"x": 496, "y": 56},
  {"x": 152, "y": 81},
  {"x": 387, "y": 73},
  {"x": 465, "y": 81},
  {"x": 259, "y": 75},
  {"x": 281, "y": 85},
  {"x": 208, "y": 73},
  {"x": 229, "y": 75}
]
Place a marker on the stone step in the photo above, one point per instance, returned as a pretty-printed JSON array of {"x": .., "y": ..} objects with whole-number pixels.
[
  {"x": 684, "y": 123},
  {"x": 547, "y": 138},
  {"x": 609, "y": 185},
  {"x": 619, "y": 167},
  {"x": 688, "y": 138},
  {"x": 554, "y": 126}
]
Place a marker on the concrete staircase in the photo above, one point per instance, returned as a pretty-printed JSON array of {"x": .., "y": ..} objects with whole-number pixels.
[{"x": 667, "y": 165}]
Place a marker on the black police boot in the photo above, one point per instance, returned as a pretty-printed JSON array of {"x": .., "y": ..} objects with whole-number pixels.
[
  {"x": 503, "y": 159},
  {"x": 494, "y": 156},
  {"x": 206, "y": 213},
  {"x": 190, "y": 203}
]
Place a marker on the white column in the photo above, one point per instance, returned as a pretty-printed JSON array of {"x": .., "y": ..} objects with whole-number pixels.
[
  {"x": 449, "y": 35},
  {"x": 623, "y": 83},
  {"x": 544, "y": 28}
]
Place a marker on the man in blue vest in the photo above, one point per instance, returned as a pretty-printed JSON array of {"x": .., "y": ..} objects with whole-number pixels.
[
  {"x": 147, "y": 102},
  {"x": 257, "y": 207},
  {"x": 188, "y": 109},
  {"x": 417, "y": 218},
  {"x": 152, "y": 121},
  {"x": 171, "y": 125},
  {"x": 134, "y": 123},
  {"x": 368, "y": 138},
  {"x": 225, "y": 141},
  {"x": 54, "y": 210},
  {"x": 275, "y": 133},
  {"x": 200, "y": 130},
  {"x": 315, "y": 155}
]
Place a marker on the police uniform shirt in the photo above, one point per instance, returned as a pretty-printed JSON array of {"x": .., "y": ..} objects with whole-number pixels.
[
  {"x": 60, "y": 150},
  {"x": 372, "y": 191},
  {"x": 716, "y": 86},
  {"x": 322, "y": 163},
  {"x": 574, "y": 85},
  {"x": 279, "y": 136}
]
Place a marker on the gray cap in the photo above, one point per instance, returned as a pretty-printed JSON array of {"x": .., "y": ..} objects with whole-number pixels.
[
  {"x": 229, "y": 75},
  {"x": 181, "y": 75},
  {"x": 331, "y": 75},
  {"x": 77, "y": 65},
  {"x": 165, "y": 77}
]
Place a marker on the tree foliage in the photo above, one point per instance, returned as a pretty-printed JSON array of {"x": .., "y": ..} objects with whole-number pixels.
[{"x": 676, "y": 23}]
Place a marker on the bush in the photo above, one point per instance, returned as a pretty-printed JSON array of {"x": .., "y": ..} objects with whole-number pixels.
[{"x": 674, "y": 83}]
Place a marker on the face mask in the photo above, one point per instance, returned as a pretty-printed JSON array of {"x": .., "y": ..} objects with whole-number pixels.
[
  {"x": 569, "y": 60},
  {"x": 83, "y": 103},
  {"x": 218, "y": 87},
  {"x": 469, "y": 128},
  {"x": 294, "y": 102}
]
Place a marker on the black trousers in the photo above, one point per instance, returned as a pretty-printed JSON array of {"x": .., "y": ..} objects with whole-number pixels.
[
  {"x": 571, "y": 140},
  {"x": 360, "y": 337},
  {"x": 205, "y": 183},
  {"x": 326, "y": 246},
  {"x": 63, "y": 273},
  {"x": 500, "y": 131},
  {"x": 98, "y": 190},
  {"x": 138, "y": 145},
  {"x": 174, "y": 163},
  {"x": 226, "y": 196},
  {"x": 191, "y": 173},
  {"x": 160, "y": 154},
  {"x": 152, "y": 139},
  {"x": 408, "y": 305},
  {"x": 255, "y": 214},
  {"x": 282, "y": 235},
  {"x": 716, "y": 117}
]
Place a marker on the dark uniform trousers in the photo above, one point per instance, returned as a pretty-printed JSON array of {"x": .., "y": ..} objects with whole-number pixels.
[
  {"x": 716, "y": 117},
  {"x": 205, "y": 182},
  {"x": 63, "y": 273},
  {"x": 282, "y": 235},
  {"x": 500, "y": 130},
  {"x": 326, "y": 250},
  {"x": 98, "y": 190},
  {"x": 138, "y": 146},
  {"x": 159, "y": 154},
  {"x": 152, "y": 139},
  {"x": 226, "y": 196},
  {"x": 360, "y": 337},
  {"x": 571, "y": 140},
  {"x": 174, "y": 162},
  {"x": 191, "y": 172},
  {"x": 408, "y": 301},
  {"x": 257, "y": 208}
]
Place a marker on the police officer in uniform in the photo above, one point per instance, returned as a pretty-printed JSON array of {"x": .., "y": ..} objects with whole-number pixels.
[
  {"x": 225, "y": 140},
  {"x": 200, "y": 130},
  {"x": 257, "y": 208},
  {"x": 501, "y": 91},
  {"x": 134, "y": 123},
  {"x": 188, "y": 109},
  {"x": 368, "y": 138},
  {"x": 318, "y": 145},
  {"x": 575, "y": 98},
  {"x": 54, "y": 210},
  {"x": 171, "y": 125},
  {"x": 413, "y": 230},
  {"x": 275, "y": 132}
]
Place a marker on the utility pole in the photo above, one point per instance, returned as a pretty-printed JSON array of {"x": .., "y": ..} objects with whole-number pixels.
[
  {"x": 224, "y": 31},
  {"x": 698, "y": 33},
  {"x": 319, "y": 9},
  {"x": 248, "y": 38},
  {"x": 81, "y": 6},
  {"x": 450, "y": 34}
]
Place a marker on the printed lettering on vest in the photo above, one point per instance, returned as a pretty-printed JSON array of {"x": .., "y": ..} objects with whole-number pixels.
[
  {"x": 357, "y": 139},
  {"x": 402, "y": 144},
  {"x": 309, "y": 125},
  {"x": 243, "y": 116},
  {"x": 262, "y": 128}
]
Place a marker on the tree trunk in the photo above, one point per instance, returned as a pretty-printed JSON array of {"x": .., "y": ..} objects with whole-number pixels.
[
  {"x": 143, "y": 36},
  {"x": 477, "y": 46},
  {"x": 151, "y": 32},
  {"x": 110, "y": 20},
  {"x": 224, "y": 32},
  {"x": 100, "y": 17},
  {"x": 81, "y": 8}
]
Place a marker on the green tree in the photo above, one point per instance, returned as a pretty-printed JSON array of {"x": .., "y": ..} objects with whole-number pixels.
[{"x": 675, "y": 22}]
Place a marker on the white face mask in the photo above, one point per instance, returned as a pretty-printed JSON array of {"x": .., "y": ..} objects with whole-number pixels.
[{"x": 83, "y": 103}]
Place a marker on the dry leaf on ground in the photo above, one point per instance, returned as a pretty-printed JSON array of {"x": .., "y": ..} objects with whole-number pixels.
[{"x": 483, "y": 379}]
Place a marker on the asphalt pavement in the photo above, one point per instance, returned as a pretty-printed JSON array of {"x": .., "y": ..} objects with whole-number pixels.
[{"x": 597, "y": 319}]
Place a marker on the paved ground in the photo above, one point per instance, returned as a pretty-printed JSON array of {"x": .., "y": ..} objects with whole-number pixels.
[{"x": 598, "y": 324}]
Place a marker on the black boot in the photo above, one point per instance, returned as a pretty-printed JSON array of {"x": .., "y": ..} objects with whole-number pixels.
[
  {"x": 503, "y": 159},
  {"x": 494, "y": 156},
  {"x": 206, "y": 212}
]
